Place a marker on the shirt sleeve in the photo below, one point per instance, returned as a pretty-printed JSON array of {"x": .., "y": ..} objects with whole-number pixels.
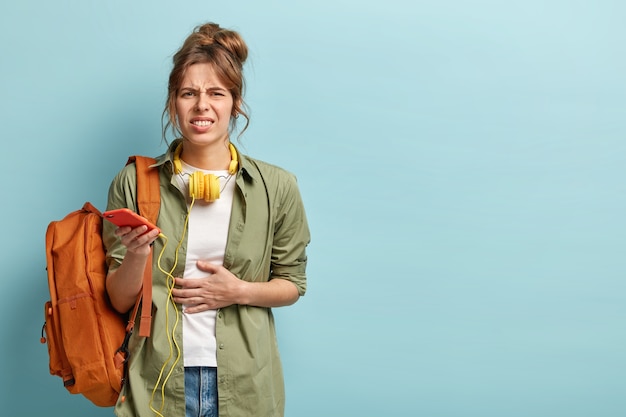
[
  {"x": 121, "y": 195},
  {"x": 291, "y": 237}
]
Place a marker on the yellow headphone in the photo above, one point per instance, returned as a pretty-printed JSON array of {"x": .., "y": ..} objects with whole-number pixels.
[{"x": 201, "y": 185}]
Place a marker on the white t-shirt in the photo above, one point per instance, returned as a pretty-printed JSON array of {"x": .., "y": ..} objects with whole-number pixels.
[{"x": 207, "y": 235}]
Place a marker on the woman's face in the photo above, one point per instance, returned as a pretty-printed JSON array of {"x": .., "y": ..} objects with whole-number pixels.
[{"x": 203, "y": 106}]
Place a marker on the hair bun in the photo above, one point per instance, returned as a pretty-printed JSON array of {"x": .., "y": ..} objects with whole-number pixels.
[{"x": 212, "y": 33}]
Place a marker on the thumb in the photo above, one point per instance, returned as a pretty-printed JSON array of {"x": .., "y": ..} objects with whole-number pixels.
[{"x": 207, "y": 266}]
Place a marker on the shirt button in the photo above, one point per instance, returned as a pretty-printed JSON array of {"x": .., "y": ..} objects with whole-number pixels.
[
  {"x": 219, "y": 315},
  {"x": 221, "y": 346}
]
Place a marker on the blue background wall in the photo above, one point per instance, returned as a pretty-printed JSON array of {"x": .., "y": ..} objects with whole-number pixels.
[{"x": 462, "y": 164}]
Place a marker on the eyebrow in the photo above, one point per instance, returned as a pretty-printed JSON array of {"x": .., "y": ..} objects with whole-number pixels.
[{"x": 208, "y": 89}]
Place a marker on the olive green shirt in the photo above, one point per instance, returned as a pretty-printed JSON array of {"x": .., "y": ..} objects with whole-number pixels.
[{"x": 267, "y": 238}]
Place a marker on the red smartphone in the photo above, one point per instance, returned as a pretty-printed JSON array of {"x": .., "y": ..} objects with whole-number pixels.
[{"x": 125, "y": 217}]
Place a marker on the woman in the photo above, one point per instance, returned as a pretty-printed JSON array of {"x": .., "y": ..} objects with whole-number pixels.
[{"x": 235, "y": 237}]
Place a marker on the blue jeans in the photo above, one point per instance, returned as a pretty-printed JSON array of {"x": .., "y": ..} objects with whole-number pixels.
[{"x": 201, "y": 391}]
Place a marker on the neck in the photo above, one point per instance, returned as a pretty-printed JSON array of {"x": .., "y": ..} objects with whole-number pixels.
[{"x": 210, "y": 157}]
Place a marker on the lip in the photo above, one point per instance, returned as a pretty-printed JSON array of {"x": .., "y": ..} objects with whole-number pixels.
[{"x": 201, "y": 128}]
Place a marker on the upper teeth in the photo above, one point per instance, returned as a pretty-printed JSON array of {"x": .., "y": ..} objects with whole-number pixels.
[{"x": 202, "y": 122}]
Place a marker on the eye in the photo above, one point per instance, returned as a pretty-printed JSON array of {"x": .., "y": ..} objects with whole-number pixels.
[{"x": 187, "y": 93}]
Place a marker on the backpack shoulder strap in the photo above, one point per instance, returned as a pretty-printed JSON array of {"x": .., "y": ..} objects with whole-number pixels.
[
  {"x": 149, "y": 203},
  {"x": 148, "y": 187}
]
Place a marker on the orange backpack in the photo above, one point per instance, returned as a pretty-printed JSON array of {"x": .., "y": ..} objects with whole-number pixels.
[{"x": 87, "y": 339}]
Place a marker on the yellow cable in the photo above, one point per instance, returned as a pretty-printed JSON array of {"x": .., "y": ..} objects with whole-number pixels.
[{"x": 171, "y": 340}]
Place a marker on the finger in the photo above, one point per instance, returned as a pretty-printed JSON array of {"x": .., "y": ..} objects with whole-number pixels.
[
  {"x": 127, "y": 234},
  {"x": 207, "y": 266},
  {"x": 138, "y": 231},
  {"x": 123, "y": 231},
  {"x": 178, "y": 282},
  {"x": 196, "y": 308},
  {"x": 152, "y": 235},
  {"x": 187, "y": 283},
  {"x": 140, "y": 235}
]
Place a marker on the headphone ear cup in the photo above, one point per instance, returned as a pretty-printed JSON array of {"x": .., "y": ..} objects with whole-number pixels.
[
  {"x": 212, "y": 188},
  {"x": 203, "y": 186},
  {"x": 196, "y": 185}
]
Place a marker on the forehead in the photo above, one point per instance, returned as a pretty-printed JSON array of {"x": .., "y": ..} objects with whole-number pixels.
[{"x": 201, "y": 75}]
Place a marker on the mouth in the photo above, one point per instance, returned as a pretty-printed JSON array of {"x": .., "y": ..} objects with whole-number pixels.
[{"x": 202, "y": 123}]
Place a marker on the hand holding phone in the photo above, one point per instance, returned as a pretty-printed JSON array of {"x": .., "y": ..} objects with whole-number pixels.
[{"x": 124, "y": 217}]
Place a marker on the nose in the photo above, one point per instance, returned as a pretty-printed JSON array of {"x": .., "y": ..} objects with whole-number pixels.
[{"x": 202, "y": 103}]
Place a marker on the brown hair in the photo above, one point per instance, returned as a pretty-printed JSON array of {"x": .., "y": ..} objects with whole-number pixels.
[{"x": 226, "y": 51}]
